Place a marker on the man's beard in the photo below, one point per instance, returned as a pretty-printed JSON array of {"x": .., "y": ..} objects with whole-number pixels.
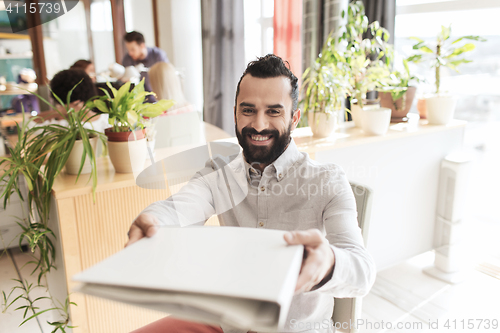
[{"x": 263, "y": 154}]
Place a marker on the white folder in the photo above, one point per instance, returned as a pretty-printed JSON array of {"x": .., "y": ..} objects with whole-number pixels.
[{"x": 242, "y": 277}]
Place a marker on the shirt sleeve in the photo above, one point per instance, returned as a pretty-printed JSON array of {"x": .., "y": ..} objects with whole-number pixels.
[
  {"x": 354, "y": 269},
  {"x": 192, "y": 205}
]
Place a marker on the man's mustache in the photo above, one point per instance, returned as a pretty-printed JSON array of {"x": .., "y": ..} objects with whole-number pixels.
[{"x": 252, "y": 131}]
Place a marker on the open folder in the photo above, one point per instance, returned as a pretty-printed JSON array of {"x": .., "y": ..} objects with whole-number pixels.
[{"x": 242, "y": 277}]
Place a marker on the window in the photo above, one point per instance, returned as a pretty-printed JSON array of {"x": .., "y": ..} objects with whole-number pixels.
[
  {"x": 477, "y": 83},
  {"x": 101, "y": 24},
  {"x": 259, "y": 30}
]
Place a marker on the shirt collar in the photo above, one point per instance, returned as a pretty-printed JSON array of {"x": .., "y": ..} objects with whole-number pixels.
[{"x": 280, "y": 166}]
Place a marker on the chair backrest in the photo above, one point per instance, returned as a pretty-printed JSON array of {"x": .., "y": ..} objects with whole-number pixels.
[{"x": 347, "y": 310}]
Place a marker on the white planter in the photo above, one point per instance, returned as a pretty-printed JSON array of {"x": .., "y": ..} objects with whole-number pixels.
[
  {"x": 322, "y": 124},
  {"x": 356, "y": 113},
  {"x": 376, "y": 121},
  {"x": 75, "y": 158},
  {"x": 440, "y": 109},
  {"x": 129, "y": 156}
]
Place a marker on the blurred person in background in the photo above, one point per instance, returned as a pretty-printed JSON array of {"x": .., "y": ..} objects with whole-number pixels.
[
  {"x": 165, "y": 83},
  {"x": 141, "y": 56},
  {"x": 60, "y": 85},
  {"x": 29, "y": 102},
  {"x": 87, "y": 66}
]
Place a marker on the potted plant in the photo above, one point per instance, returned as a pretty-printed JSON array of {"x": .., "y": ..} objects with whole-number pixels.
[
  {"x": 126, "y": 136},
  {"x": 82, "y": 140},
  {"x": 367, "y": 59},
  {"x": 442, "y": 53},
  {"x": 324, "y": 89},
  {"x": 36, "y": 160},
  {"x": 399, "y": 95}
]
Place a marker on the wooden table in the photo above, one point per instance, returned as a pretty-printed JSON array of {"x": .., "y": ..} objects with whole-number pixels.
[{"x": 88, "y": 231}]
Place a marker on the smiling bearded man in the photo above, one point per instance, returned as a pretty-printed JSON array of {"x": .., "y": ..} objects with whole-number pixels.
[{"x": 314, "y": 202}]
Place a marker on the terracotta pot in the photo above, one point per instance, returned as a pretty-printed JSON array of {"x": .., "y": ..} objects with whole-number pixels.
[
  {"x": 399, "y": 113},
  {"x": 75, "y": 158},
  {"x": 322, "y": 124},
  {"x": 123, "y": 136},
  {"x": 422, "y": 108}
]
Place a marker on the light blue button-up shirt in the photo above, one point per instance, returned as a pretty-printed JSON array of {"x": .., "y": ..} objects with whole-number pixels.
[{"x": 292, "y": 193}]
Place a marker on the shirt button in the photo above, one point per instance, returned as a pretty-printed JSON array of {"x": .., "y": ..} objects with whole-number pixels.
[
  {"x": 262, "y": 188},
  {"x": 261, "y": 224},
  {"x": 280, "y": 176}
]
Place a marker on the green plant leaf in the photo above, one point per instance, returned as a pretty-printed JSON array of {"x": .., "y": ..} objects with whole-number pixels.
[
  {"x": 415, "y": 58},
  {"x": 417, "y": 39},
  {"x": 132, "y": 117},
  {"x": 113, "y": 90},
  {"x": 122, "y": 92},
  {"x": 101, "y": 106},
  {"x": 476, "y": 38},
  {"x": 459, "y": 50},
  {"x": 154, "y": 110},
  {"x": 445, "y": 32},
  {"x": 426, "y": 49}
]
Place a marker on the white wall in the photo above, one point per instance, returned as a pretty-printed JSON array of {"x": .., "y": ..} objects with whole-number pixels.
[{"x": 180, "y": 37}]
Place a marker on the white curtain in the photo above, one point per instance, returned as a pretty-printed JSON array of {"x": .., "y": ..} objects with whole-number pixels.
[{"x": 223, "y": 59}]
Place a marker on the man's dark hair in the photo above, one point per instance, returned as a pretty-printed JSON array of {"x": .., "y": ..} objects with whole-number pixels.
[
  {"x": 134, "y": 36},
  {"x": 65, "y": 80},
  {"x": 272, "y": 66}
]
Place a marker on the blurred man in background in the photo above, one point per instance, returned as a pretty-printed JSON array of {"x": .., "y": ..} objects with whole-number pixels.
[{"x": 140, "y": 56}]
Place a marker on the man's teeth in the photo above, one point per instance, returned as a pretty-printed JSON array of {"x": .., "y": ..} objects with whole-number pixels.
[{"x": 260, "y": 138}]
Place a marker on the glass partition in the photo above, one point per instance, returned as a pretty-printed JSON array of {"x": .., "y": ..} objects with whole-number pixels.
[
  {"x": 101, "y": 24},
  {"x": 139, "y": 17},
  {"x": 65, "y": 40}
]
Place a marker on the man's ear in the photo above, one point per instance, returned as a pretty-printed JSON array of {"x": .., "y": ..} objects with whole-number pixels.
[
  {"x": 234, "y": 108},
  {"x": 296, "y": 118}
]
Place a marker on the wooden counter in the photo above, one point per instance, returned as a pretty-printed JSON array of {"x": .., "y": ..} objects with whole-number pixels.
[
  {"x": 88, "y": 232},
  {"x": 401, "y": 167}
]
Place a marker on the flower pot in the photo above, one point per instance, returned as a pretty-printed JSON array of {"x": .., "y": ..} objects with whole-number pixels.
[
  {"x": 356, "y": 112},
  {"x": 75, "y": 158},
  {"x": 123, "y": 136},
  {"x": 376, "y": 121},
  {"x": 322, "y": 124},
  {"x": 422, "y": 108},
  {"x": 399, "y": 111},
  {"x": 127, "y": 154},
  {"x": 440, "y": 109}
]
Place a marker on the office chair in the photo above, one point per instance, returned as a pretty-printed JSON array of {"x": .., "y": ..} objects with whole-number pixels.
[{"x": 348, "y": 310}]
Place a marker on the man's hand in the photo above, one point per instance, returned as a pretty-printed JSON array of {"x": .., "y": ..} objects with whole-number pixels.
[
  {"x": 318, "y": 261},
  {"x": 145, "y": 225}
]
